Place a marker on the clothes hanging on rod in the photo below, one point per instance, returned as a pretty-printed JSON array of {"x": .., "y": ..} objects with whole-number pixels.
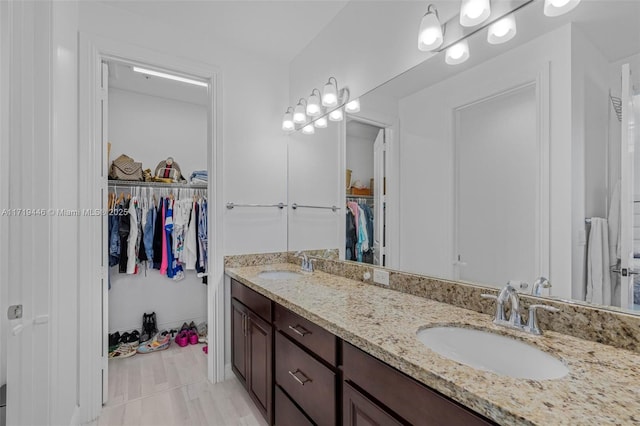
[
  {"x": 150, "y": 233},
  {"x": 359, "y": 232}
]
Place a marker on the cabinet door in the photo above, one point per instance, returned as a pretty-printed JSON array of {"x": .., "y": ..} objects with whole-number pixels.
[
  {"x": 259, "y": 381},
  {"x": 239, "y": 340},
  {"x": 361, "y": 411}
]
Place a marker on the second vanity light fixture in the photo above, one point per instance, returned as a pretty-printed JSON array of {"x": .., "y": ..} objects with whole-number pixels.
[
  {"x": 473, "y": 13},
  {"x": 316, "y": 106}
]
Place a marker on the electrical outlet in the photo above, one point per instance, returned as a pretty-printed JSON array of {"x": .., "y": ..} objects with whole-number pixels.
[{"x": 381, "y": 277}]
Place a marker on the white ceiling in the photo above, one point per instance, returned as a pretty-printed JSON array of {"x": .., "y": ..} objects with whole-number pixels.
[{"x": 277, "y": 29}]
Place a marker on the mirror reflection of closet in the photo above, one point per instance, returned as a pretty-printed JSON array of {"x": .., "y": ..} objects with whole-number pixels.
[
  {"x": 150, "y": 119},
  {"x": 365, "y": 218}
]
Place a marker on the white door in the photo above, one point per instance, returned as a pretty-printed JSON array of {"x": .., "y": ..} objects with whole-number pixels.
[
  {"x": 628, "y": 140},
  {"x": 104, "y": 105},
  {"x": 497, "y": 163},
  {"x": 379, "y": 202}
]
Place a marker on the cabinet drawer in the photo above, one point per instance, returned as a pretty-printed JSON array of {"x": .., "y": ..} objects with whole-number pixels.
[
  {"x": 307, "y": 381},
  {"x": 358, "y": 410},
  {"x": 404, "y": 396},
  {"x": 287, "y": 414},
  {"x": 315, "y": 338},
  {"x": 252, "y": 300}
]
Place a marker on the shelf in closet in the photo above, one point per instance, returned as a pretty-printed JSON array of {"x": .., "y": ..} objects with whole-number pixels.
[
  {"x": 130, "y": 184},
  {"x": 366, "y": 197}
]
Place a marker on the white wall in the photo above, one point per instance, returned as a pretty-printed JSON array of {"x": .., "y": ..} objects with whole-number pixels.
[
  {"x": 426, "y": 155},
  {"x": 151, "y": 128},
  {"x": 360, "y": 158}
]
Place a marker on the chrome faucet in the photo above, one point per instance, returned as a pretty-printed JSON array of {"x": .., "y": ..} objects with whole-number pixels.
[
  {"x": 509, "y": 293},
  {"x": 540, "y": 284},
  {"x": 307, "y": 264}
]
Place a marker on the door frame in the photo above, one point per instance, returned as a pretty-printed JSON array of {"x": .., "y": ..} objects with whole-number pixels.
[{"x": 93, "y": 184}]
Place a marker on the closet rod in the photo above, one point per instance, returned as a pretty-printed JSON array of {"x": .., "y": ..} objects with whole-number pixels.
[
  {"x": 332, "y": 208},
  {"x": 131, "y": 184},
  {"x": 279, "y": 205}
]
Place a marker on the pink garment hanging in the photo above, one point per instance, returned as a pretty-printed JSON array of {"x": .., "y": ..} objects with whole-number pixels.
[{"x": 165, "y": 261}]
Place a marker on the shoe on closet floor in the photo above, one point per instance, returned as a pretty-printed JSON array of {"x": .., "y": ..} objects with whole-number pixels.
[
  {"x": 202, "y": 332},
  {"x": 182, "y": 339},
  {"x": 160, "y": 342},
  {"x": 125, "y": 350}
]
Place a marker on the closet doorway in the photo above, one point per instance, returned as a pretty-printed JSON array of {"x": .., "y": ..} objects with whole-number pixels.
[
  {"x": 147, "y": 110},
  {"x": 365, "y": 187}
]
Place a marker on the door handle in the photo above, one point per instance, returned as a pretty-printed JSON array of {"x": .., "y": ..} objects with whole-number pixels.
[{"x": 625, "y": 272}]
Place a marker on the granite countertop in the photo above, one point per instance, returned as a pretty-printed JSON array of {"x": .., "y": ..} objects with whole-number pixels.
[{"x": 602, "y": 387}]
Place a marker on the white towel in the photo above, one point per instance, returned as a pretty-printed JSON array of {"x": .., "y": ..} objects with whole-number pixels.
[
  {"x": 614, "y": 226},
  {"x": 598, "y": 278}
]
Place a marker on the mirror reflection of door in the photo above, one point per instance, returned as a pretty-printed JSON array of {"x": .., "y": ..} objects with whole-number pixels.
[
  {"x": 365, "y": 159},
  {"x": 497, "y": 163}
]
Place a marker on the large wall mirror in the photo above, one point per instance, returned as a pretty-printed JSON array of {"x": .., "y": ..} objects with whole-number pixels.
[{"x": 513, "y": 165}]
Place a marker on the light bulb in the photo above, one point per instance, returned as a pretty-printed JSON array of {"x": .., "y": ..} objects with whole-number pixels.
[
  {"x": 313, "y": 105},
  {"x": 299, "y": 116},
  {"x": 353, "y": 106},
  {"x": 308, "y": 129},
  {"x": 458, "y": 53},
  {"x": 430, "y": 35},
  {"x": 502, "y": 30},
  {"x": 336, "y": 115},
  {"x": 474, "y": 12},
  {"x": 287, "y": 121},
  {"x": 320, "y": 123},
  {"x": 330, "y": 94},
  {"x": 559, "y": 7}
]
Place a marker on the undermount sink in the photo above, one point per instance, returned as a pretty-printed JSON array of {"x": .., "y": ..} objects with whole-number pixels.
[
  {"x": 488, "y": 351},
  {"x": 279, "y": 275}
]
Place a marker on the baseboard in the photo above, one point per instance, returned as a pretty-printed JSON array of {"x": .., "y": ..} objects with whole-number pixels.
[{"x": 228, "y": 372}]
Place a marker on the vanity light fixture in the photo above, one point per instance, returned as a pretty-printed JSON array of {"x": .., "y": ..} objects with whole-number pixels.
[
  {"x": 474, "y": 12},
  {"x": 299, "y": 115},
  {"x": 430, "y": 35},
  {"x": 336, "y": 115},
  {"x": 330, "y": 93},
  {"x": 313, "y": 104},
  {"x": 320, "y": 123},
  {"x": 308, "y": 129},
  {"x": 353, "y": 106},
  {"x": 503, "y": 30},
  {"x": 169, "y": 76},
  {"x": 287, "y": 121},
  {"x": 559, "y": 7},
  {"x": 458, "y": 53}
]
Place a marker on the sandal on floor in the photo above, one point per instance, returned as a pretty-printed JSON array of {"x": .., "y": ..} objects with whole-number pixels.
[{"x": 123, "y": 351}]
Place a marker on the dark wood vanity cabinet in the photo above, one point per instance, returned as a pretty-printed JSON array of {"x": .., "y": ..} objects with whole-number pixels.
[
  {"x": 386, "y": 396},
  {"x": 252, "y": 345},
  {"x": 300, "y": 374}
]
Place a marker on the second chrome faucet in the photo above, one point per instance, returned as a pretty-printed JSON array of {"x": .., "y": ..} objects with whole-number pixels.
[{"x": 510, "y": 294}]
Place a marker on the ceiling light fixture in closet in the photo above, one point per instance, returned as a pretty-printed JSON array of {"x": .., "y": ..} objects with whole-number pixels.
[
  {"x": 458, "y": 53},
  {"x": 430, "y": 35},
  {"x": 169, "y": 76},
  {"x": 554, "y": 8},
  {"x": 503, "y": 30},
  {"x": 474, "y": 12}
]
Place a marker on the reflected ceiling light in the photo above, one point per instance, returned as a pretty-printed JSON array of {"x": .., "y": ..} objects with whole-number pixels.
[
  {"x": 170, "y": 76},
  {"x": 330, "y": 93},
  {"x": 458, "y": 53},
  {"x": 336, "y": 115},
  {"x": 287, "y": 121},
  {"x": 321, "y": 123},
  {"x": 308, "y": 129},
  {"x": 353, "y": 106},
  {"x": 313, "y": 104},
  {"x": 503, "y": 30},
  {"x": 559, "y": 7},
  {"x": 299, "y": 115},
  {"x": 474, "y": 12},
  {"x": 430, "y": 35}
]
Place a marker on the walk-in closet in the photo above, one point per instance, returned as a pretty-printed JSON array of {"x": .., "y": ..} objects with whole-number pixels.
[{"x": 157, "y": 231}]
